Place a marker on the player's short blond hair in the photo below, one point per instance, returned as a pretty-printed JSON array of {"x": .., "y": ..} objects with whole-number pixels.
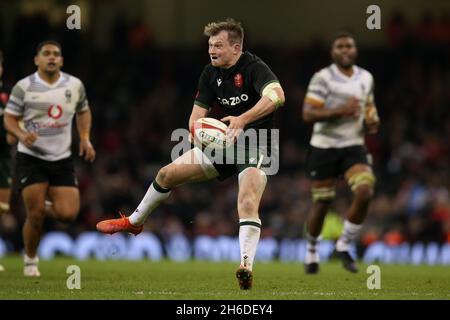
[{"x": 231, "y": 26}]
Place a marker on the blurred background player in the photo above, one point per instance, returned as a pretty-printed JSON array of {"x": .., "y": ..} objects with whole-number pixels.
[
  {"x": 5, "y": 170},
  {"x": 47, "y": 101},
  {"x": 232, "y": 73},
  {"x": 341, "y": 105},
  {"x": 6, "y": 140}
]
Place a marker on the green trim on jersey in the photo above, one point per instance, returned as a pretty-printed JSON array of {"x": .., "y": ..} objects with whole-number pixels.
[{"x": 201, "y": 104}]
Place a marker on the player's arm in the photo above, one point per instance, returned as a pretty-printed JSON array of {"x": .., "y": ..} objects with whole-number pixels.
[
  {"x": 197, "y": 113},
  {"x": 84, "y": 123},
  {"x": 314, "y": 110},
  {"x": 314, "y": 104},
  {"x": 267, "y": 85},
  {"x": 13, "y": 116},
  {"x": 371, "y": 118},
  {"x": 204, "y": 99},
  {"x": 11, "y": 123},
  {"x": 272, "y": 98}
]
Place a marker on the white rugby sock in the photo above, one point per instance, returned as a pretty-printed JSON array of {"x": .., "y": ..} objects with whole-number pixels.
[
  {"x": 155, "y": 194},
  {"x": 349, "y": 234},
  {"x": 312, "y": 254},
  {"x": 30, "y": 261},
  {"x": 249, "y": 231},
  {"x": 30, "y": 268}
]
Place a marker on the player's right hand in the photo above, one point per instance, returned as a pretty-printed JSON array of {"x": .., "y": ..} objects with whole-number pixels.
[
  {"x": 28, "y": 138},
  {"x": 351, "y": 108}
]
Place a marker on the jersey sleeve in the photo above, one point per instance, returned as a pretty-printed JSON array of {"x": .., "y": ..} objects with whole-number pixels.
[
  {"x": 205, "y": 95},
  {"x": 16, "y": 102},
  {"x": 317, "y": 92},
  {"x": 262, "y": 76},
  {"x": 82, "y": 104}
]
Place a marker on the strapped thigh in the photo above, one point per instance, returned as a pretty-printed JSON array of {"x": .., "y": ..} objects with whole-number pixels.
[
  {"x": 323, "y": 194},
  {"x": 360, "y": 178}
]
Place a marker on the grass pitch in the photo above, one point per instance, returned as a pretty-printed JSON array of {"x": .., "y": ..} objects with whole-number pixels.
[{"x": 208, "y": 280}]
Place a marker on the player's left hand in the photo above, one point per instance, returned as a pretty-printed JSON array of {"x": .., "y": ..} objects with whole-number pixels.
[
  {"x": 87, "y": 150},
  {"x": 372, "y": 127},
  {"x": 235, "y": 127}
]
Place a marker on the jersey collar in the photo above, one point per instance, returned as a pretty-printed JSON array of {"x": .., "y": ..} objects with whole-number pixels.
[
  {"x": 227, "y": 72},
  {"x": 57, "y": 82},
  {"x": 342, "y": 75}
]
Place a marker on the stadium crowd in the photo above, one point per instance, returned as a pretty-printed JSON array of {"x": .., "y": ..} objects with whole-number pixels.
[{"x": 139, "y": 93}]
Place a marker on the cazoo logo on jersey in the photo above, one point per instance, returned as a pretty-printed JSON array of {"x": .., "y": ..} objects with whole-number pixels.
[{"x": 233, "y": 101}]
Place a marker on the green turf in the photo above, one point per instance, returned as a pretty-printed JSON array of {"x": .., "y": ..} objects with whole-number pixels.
[{"x": 208, "y": 280}]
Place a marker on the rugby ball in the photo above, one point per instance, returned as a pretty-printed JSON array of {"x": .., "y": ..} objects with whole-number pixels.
[{"x": 210, "y": 132}]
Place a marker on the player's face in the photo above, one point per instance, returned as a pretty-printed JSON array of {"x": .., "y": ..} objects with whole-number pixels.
[
  {"x": 344, "y": 52},
  {"x": 1, "y": 70},
  {"x": 223, "y": 54},
  {"x": 49, "y": 59}
]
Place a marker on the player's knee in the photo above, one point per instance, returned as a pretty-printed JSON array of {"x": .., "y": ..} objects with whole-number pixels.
[
  {"x": 35, "y": 219},
  {"x": 253, "y": 171},
  {"x": 66, "y": 215},
  {"x": 65, "y": 211},
  {"x": 247, "y": 207},
  {"x": 257, "y": 175},
  {"x": 36, "y": 212},
  {"x": 165, "y": 177},
  {"x": 362, "y": 185}
]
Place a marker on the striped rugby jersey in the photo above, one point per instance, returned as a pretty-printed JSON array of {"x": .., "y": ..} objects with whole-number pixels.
[
  {"x": 48, "y": 110},
  {"x": 330, "y": 88}
]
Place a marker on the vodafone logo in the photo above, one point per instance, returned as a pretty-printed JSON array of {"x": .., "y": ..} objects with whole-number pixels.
[
  {"x": 55, "y": 111},
  {"x": 238, "y": 80}
]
